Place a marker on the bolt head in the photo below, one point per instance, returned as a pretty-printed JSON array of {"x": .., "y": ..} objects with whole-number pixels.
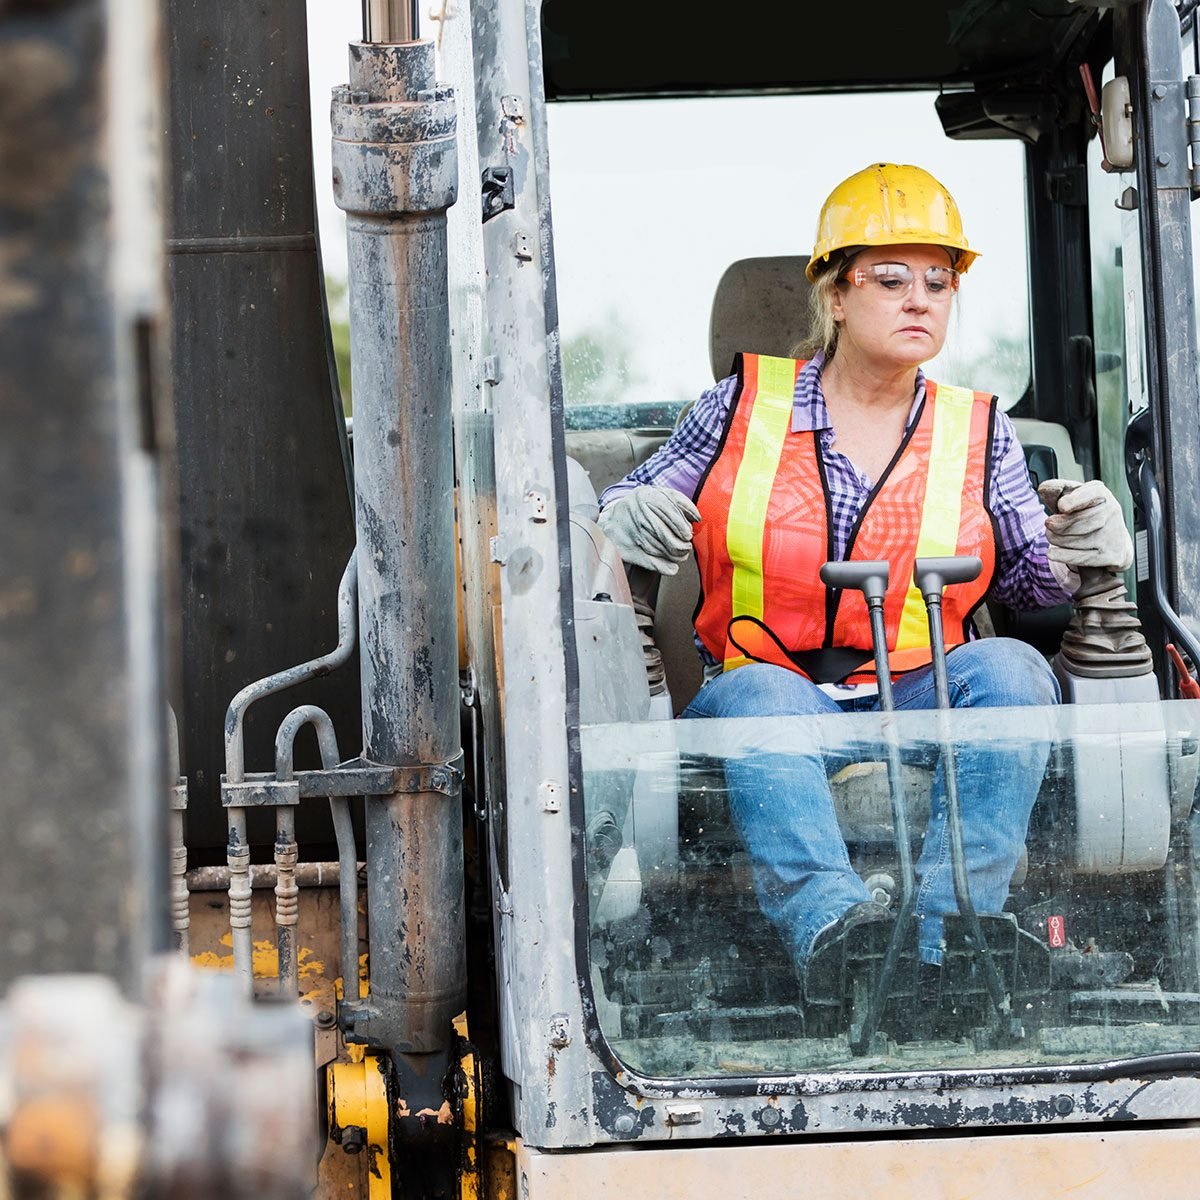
[
  {"x": 1159, "y": 92},
  {"x": 625, "y": 1123},
  {"x": 325, "y": 1019},
  {"x": 1163, "y": 160}
]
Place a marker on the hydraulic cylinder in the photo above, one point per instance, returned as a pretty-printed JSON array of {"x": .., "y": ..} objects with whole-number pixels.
[{"x": 395, "y": 175}]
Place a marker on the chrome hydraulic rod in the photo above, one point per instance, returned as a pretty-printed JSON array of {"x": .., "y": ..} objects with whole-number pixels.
[{"x": 390, "y": 21}]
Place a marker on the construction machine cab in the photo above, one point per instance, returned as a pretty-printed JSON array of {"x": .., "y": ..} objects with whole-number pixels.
[{"x": 686, "y": 984}]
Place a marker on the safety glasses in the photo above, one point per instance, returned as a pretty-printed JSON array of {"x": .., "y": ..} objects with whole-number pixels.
[{"x": 896, "y": 279}]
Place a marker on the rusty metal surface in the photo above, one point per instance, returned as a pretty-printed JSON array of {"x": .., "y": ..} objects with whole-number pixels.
[
  {"x": 394, "y": 173},
  {"x": 318, "y": 955},
  {"x": 1084, "y": 1166},
  {"x": 266, "y": 523},
  {"x": 544, "y": 1051}
]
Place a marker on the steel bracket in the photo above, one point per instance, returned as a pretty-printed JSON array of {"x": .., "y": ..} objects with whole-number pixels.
[
  {"x": 356, "y": 777},
  {"x": 1171, "y": 134},
  {"x": 259, "y": 791}
]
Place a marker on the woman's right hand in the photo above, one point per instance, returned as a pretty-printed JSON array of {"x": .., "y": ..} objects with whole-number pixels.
[{"x": 651, "y": 527}]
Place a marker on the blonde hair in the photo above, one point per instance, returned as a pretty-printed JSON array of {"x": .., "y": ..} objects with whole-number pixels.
[{"x": 822, "y": 328}]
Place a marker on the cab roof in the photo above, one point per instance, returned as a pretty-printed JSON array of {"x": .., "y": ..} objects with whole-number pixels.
[{"x": 678, "y": 48}]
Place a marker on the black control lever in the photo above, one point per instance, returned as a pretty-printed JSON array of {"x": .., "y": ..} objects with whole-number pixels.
[
  {"x": 871, "y": 578},
  {"x": 1139, "y": 470},
  {"x": 932, "y": 575}
]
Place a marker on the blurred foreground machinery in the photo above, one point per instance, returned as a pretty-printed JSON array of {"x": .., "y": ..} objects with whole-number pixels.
[{"x": 123, "y": 1071}]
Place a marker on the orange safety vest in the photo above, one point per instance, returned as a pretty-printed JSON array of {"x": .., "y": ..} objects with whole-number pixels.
[{"x": 766, "y": 530}]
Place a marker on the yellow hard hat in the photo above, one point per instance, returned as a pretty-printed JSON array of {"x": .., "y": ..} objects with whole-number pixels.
[{"x": 889, "y": 204}]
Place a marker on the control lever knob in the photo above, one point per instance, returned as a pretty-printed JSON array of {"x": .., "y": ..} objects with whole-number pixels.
[
  {"x": 933, "y": 575},
  {"x": 870, "y": 578}
]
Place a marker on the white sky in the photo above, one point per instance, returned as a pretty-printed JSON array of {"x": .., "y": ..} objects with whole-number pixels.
[
  {"x": 332, "y": 26},
  {"x": 653, "y": 199}
]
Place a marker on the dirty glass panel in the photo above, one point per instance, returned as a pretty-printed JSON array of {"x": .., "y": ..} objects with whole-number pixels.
[{"x": 1094, "y": 945}]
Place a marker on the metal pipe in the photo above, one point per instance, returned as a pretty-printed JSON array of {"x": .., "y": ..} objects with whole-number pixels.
[
  {"x": 181, "y": 917},
  {"x": 238, "y": 852},
  {"x": 262, "y": 876},
  {"x": 235, "y": 754},
  {"x": 343, "y": 828},
  {"x": 237, "y": 855},
  {"x": 390, "y": 21},
  {"x": 178, "y": 796},
  {"x": 395, "y": 174},
  {"x": 347, "y": 867},
  {"x": 287, "y": 900}
]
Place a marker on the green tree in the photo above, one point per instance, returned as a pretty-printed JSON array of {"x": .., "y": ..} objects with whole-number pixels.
[
  {"x": 1003, "y": 367},
  {"x": 339, "y": 328},
  {"x": 598, "y": 364}
]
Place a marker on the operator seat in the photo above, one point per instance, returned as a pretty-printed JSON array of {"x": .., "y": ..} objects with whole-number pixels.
[{"x": 760, "y": 307}]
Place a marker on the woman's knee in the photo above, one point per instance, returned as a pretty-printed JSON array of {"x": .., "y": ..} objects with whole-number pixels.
[
  {"x": 1002, "y": 672},
  {"x": 760, "y": 690}
]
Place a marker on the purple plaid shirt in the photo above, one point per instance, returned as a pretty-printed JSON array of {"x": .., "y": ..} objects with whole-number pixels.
[{"x": 1024, "y": 579}]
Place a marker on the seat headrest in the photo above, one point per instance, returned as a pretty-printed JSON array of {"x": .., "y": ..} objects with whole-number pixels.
[{"x": 760, "y": 307}]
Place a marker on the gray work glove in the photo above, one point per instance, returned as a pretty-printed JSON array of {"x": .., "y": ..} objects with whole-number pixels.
[
  {"x": 651, "y": 527},
  {"x": 1086, "y": 527}
]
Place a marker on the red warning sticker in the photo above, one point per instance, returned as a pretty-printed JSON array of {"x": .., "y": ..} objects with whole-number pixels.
[{"x": 1056, "y": 930}]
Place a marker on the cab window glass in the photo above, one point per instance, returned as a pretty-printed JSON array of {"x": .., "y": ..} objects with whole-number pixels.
[
  {"x": 1095, "y": 946},
  {"x": 653, "y": 200}
]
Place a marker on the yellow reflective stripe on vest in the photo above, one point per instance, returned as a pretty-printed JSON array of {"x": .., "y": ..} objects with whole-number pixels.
[
  {"x": 769, "y": 423},
  {"x": 941, "y": 512}
]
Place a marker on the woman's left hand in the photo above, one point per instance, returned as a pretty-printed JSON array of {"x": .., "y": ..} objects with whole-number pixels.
[{"x": 1086, "y": 527}]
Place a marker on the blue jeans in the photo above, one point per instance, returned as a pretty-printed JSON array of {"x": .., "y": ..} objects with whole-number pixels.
[{"x": 783, "y": 808}]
